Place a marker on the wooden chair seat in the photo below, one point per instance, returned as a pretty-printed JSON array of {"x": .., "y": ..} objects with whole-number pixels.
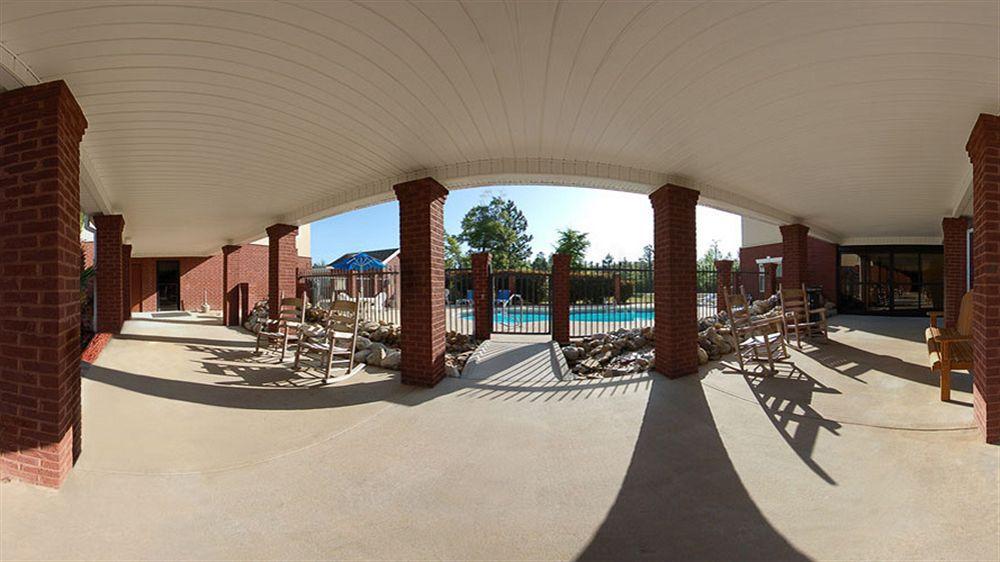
[
  {"x": 757, "y": 341},
  {"x": 336, "y": 338},
  {"x": 950, "y": 349}
]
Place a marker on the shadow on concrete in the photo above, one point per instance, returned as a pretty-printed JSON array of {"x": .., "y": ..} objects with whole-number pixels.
[
  {"x": 853, "y": 362},
  {"x": 786, "y": 399},
  {"x": 899, "y": 327},
  {"x": 682, "y": 499},
  {"x": 182, "y": 340}
]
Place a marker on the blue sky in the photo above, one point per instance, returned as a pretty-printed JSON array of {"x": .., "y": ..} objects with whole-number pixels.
[{"x": 618, "y": 223}]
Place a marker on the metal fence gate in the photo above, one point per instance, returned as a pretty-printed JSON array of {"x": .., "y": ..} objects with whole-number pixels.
[{"x": 521, "y": 303}]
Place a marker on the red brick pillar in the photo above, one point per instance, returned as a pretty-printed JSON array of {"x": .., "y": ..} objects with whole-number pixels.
[
  {"x": 281, "y": 265},
  {"x": 794, "y": 256},
  {"x": 770, "y": 279},
  {"x": 954, "y": 266},
  {"x": 126, "y": 281},
  {"x": 421, "y": 262},
  {"x": 40, "y": 283},
  {"x": 723, "y": 282},
  {"x": 560, "y": 297},
  {"x": 482, "y": 296},
  {"x": 110, "y": 272},
  {"x": 350, "y": 285},
  {"x": 984, "y": 151},
  {"x": 674, "y": 280},
  {"x": 231, "y": 310}
]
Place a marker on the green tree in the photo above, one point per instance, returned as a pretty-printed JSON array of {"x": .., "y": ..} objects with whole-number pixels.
[
  {"x": 608, "y": 261},
  {"x": 541, "y": 261},
  {"x": 647, "y": 254},
  {"x": 713, "y": 253},
  {"x": 454, "y": 256},
  {"x": 574, "y": 243},
  {"x": 499, "y": 228}
]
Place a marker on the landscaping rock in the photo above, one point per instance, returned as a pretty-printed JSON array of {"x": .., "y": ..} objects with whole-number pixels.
[
  {"x": 362, "y": 343},
  {"x": 391, "y": 360}
]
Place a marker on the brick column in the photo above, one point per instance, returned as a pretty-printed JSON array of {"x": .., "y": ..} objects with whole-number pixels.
[
  {"x": 482, "y": 295},
  {"x": 723, "y": 282},
  {"x": 281, "y": 264},
  {"x": 954, "y": 267},
  {"x": 421, "y": 262},
  {"x": 674, "y": 280},
  {"x": 984, "y": 151},
  {"x": 560, "y": 297},
  {"x": 110, "y": 272},
  {"x": 231, "y": 286},
  {"x": 770, "y": 279},
  {"x": 126, "y": 282},
  {"x": 795, "y": 255},
  {"x": 40, "y": 283},
  {"x": 350, "y": 285}
]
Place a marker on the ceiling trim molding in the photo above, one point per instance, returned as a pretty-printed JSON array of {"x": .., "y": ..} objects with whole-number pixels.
[
  {"x": 538, "y": 171},
  {"x": 891, "y": 240},
  {"x": 14, "y": 73}
]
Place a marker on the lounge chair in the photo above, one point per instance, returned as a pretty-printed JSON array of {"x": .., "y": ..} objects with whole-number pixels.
[
  {"x": 950, "y": 349},
  {"x": 337, "y": 337},
  {"x": 759, "y": 341},
  {"x": 278, "y": 333},
  {"x": 798, "y": 318},
  {"x": 502, "y": 297}
]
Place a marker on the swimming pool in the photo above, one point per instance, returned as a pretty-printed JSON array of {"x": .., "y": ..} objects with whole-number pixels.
[{"x": 531, "y": 314}]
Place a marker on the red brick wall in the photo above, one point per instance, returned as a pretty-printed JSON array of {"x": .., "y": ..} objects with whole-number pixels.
[
  {"x": 110, "y": 272},
  {"x": 201, "y": 275},
  {"x": 282, "y": 263},
  {"x": 40, "y": 131},
  {"x": 481, "y": 294},
  {"x": 88, "y": 253},
  {"x": 674, "y": 279},
  {"x": 821, "y": 268},
  {"x": 421, "y": 236},
  {"x": 954, "y": 267},
  {"x": 984, "y": 152},
  {"x": 560, "y": 297}
]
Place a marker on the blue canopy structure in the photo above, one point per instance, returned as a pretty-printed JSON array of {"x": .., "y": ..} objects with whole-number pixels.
[{"x": 357, "y": 262}]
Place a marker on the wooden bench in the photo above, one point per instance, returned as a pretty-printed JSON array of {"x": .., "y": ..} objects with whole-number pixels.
[{"x": 950, "y": 349}]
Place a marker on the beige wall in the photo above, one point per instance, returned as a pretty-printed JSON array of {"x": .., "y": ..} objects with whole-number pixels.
[{"x": 757, "y": 233}]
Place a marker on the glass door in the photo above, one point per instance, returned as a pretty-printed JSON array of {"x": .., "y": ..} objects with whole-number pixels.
[{"x": 168, "y": 285}]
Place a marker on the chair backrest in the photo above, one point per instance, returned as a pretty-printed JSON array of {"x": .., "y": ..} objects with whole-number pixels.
[
  {"x": 964, "y": 322},
  {"x": 292, "y": 310},
  {"x": 738, "y": 311},
  {"x": 794, "y": 300},
  {"x": 468, "y": 294},
  {"x": 343, "y": 317}
]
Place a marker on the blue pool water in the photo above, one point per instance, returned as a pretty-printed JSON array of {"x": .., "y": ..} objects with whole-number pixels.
[{"x": 526, "y": 316}]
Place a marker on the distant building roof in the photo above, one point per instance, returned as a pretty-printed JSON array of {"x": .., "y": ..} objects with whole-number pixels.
[{"x": 381, "y": 255}]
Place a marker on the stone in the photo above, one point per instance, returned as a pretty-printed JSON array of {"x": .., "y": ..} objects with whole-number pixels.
[
  {"x": 391, "y": 360},
  {"x": 362, "y": 343},
  {"x": 702, "y": 356},
  {"x": 572, "y": 353},
  {"x": 376, "y": 355},
  {"x": 452, "y": 371},
  {"x": 361, "y": 356}
]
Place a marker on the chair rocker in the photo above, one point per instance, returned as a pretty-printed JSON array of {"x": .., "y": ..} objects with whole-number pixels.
[{"x": 798, "y": 318}]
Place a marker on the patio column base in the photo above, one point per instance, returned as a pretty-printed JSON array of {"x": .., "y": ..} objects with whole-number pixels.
[
  {"x": 674, "y": 280},
  {"x": 110, "y": 262},
  {"x": 421, "y": 262},
  {"x": 794, "y": 255},
  {"x": 281, "y": 264},
  {"x": 984, "y": 152},
  {"x": 40, "y": 283}
]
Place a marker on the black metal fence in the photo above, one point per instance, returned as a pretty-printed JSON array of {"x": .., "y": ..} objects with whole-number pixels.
[
  {"x": 377, "y": 292},
  {"x": 460, "y": 314},
  {"x": 604, "y": 298},
  {"x": 706, "y": 287},
  {"x": 521, "y": 302}
]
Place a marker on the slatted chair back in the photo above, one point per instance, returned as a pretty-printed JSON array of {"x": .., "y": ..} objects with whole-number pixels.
[
  {"x": 964, "y": 322},
  {"x": 738, "y": 311},
  {"x": 795, "y": 301},
  {"x": 292, "y": 310},
  {"x": 343, "y": 317}
]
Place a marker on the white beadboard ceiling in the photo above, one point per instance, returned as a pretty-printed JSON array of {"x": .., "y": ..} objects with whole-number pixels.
[{"x": 211, "y": 120}]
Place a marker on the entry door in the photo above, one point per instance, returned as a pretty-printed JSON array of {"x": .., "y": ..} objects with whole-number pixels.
[{"x": 168, "y": 285}]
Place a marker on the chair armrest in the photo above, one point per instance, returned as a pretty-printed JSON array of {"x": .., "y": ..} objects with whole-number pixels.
[
  {"x": 763, "y": 323},
  {"x": 820, "y": 311},
  {"x": 935, "y": 314}
]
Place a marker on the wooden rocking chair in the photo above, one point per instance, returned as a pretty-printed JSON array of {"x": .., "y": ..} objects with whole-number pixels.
[
  {"x": 277, "y": 333},
  {"x": 338, "y": 338},
  {"x": 798, "y": 318},
  {"x": 759, "y": 341}
]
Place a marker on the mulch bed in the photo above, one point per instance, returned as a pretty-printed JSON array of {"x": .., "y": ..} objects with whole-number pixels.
[{"x": 95, "y": 346}]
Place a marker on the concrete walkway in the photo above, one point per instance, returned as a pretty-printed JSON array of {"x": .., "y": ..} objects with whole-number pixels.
[{"x": 194, "y": 449}]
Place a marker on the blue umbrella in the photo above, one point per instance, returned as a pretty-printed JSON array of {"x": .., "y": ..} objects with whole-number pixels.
[{"x": 358, "y": 262}]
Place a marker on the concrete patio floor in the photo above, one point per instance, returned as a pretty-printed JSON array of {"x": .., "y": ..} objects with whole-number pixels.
[{"x": 193, "y": 449}]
